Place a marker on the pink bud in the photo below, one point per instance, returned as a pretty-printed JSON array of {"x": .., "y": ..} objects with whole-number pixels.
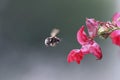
[
  {"x": 115, "y": 36},
  {"x": 116, "y": 19}
]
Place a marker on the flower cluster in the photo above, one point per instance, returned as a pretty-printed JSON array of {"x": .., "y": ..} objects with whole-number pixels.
[{"x": 95, "y": 29}]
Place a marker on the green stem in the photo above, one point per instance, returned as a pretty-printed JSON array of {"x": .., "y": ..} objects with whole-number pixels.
[{"x": 115, "y": 28}]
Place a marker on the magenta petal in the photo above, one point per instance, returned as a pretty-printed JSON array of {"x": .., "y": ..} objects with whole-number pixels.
[
  {"x": 116, "y": 19},
  {"x": 96, "y": 50},
  {"x": 92, "y": 26},
  {"x": 85, "y": 49},
  {"x": 93, "y": 48},
  {"x": 81, "y": 36},
  {"x": 115, "y": 36},
  {"x": 75, "y": 55}
]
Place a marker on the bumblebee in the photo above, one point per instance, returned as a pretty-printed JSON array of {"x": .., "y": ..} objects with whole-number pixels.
[{"x": 53, "y": 40}]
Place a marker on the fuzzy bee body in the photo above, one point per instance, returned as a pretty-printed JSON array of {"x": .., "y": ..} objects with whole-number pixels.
[{"x": 53, "y": 40}]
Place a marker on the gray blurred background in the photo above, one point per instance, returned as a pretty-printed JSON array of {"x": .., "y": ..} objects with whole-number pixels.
[{"x": 24, "y": 25}]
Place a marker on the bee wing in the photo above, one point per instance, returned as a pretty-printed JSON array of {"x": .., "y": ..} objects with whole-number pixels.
[{"x": 54, "y": 32}]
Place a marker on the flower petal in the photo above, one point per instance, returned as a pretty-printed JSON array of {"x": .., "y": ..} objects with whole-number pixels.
[
  {"x": 92, "y": 26},
  {"x": 93, "y": 48},
  {"x": 116, "y": 19},
  {"x": 115, "y": 36},
  {"x": 75, "y": 55},
  {"x": 96, "y": 50},
  {"x": 81, "y": 36}
]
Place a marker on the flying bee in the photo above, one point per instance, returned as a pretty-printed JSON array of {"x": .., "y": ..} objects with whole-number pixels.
[{"x": 53, "y": 39}]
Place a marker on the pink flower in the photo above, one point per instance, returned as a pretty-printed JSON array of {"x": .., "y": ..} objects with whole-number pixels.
[
  {"x": 88, "y": 46},
  {"x": 92, "y": 26},
  {"x": 116, "y": 19},
  {"x": 115, "y": 36}
]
